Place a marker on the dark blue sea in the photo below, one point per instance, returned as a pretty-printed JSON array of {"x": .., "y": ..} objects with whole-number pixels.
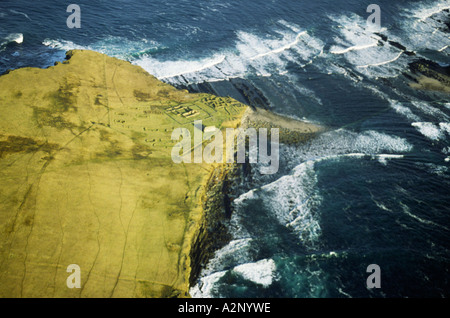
[{"x": 373, "y": 189}]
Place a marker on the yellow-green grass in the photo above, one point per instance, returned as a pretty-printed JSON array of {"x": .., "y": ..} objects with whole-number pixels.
[{"x": 86, "y": 178}]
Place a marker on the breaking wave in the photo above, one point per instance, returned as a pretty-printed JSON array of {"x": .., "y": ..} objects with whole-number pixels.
[
  {"x": 13, "y": 37},
  {"x": 115, "y": 46},
  {"x": 294, "y": 198}
]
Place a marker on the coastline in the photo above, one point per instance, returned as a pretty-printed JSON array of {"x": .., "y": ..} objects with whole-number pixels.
[
  {"x": 88, "y": 179},
  {"x": 87, "y": 145}
]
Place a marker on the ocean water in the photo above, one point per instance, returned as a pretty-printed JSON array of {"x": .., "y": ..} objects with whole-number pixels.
[{"x": 373, "y": 189}]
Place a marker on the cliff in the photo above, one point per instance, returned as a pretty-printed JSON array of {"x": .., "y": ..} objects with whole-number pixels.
[{"x": 428, "y": 75}]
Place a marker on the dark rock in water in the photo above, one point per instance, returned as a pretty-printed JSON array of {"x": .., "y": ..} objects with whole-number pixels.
[{"x": 254, "y": 96}]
